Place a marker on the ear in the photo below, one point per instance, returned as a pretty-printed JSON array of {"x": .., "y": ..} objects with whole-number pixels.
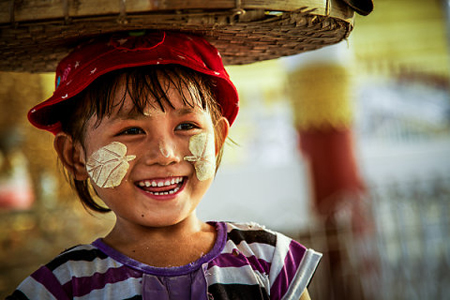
[
  {"x": 222, "y": 128},
  {"x": 71, "y": 155}
]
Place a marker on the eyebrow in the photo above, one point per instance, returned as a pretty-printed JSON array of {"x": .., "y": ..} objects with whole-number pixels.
[
  {"x": 185, "y": 111},
  {"x": 131, "y": 114}
]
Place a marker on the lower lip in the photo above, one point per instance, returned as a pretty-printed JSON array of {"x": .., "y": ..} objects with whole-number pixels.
[{"x": 165, "y": 197}]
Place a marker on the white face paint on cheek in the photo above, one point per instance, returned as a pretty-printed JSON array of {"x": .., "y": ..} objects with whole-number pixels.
[
  {"x": 108, "y": 165},
  {"x": 204, "y": 159}
]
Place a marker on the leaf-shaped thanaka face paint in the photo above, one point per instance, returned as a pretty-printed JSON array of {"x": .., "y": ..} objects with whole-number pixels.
[
  {"x": 204, "y": 159},
  {"x": 108, "y": 165}
]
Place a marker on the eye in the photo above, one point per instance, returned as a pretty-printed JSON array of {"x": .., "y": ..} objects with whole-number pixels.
[
  {"x": 186, "y": 126},
  {"x": 132, "y": 131}
]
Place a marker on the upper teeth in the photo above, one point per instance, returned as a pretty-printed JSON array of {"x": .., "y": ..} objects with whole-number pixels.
[{"x": 154, "y": 183}]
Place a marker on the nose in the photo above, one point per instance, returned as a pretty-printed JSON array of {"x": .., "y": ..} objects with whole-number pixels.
[{"x": 161, "y": 151}]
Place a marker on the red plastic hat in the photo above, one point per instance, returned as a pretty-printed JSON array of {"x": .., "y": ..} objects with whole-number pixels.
[{"x": 105, "y": 54}]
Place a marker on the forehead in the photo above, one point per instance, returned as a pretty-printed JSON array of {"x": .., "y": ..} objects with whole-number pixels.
[{"x": 164, "y": 92}]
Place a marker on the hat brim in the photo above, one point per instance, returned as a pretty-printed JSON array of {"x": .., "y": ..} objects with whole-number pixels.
[{"x": 242, "y": 35}]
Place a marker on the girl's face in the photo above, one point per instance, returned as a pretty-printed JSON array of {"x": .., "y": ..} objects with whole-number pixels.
[{"x": 151, "y": 169}]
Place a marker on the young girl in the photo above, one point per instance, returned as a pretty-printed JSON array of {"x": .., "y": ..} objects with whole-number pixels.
[{"x": 139, "y": 122}]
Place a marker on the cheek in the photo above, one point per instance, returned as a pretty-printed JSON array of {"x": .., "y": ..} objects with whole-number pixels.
[
  {"x": 203, "y": 155},
  {"x": 108, "y": 165}
]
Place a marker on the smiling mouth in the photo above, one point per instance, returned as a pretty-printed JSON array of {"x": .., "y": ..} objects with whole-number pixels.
[{"x": 164, "y": 186}]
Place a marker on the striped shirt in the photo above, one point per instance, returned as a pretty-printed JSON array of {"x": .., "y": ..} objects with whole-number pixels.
[{"x": 246, "y": 262}]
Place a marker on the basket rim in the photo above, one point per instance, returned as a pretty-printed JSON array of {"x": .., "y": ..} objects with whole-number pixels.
[
  {"x": 14, "y": 12},
  {"x": 241, "y": 36}
]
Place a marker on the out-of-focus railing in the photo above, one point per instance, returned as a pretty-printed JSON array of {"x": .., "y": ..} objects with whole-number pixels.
[{"x": 405, "y": 255}]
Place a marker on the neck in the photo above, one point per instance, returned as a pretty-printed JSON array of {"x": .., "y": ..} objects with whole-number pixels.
[
  {"x": 174, "y": 245},
  {"x": 125, "y": 233}
]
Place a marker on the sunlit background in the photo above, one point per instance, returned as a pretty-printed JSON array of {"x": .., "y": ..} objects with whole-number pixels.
[{"x": 346, "y": 149}]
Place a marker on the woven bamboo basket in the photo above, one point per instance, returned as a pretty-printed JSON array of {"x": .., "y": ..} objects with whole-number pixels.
[{"x": 35, "y": 35}]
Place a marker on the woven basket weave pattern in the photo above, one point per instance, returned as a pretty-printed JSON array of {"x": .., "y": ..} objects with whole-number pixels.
[{"x": 38, "y": 46}]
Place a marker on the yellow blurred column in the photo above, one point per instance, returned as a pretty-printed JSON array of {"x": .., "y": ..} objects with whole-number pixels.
[
  {"x": 320, "y": 88},
  {"x": 321, "y": 94}
]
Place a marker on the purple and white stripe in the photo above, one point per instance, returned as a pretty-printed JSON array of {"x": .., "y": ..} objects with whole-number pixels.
[{"x": 247, "y": 258}]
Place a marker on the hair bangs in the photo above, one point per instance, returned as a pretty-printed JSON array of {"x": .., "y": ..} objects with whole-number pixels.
[{"x": 152, "y": 88}]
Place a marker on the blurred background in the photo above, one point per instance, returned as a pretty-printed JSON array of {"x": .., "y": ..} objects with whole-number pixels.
[{"x": 346, "y": 149}]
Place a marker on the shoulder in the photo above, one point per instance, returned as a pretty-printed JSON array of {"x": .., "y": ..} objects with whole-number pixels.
[
  {"x": 78, "y": 261},
  {"x": 54, "y": 280},
  {"x": 288, "y": 265},
  {"x": 250, "y": 233},
  {"x": 259, "y": 238},
  {"x": 256, "y": 242},
  {"x": 76, "y": 254}
]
